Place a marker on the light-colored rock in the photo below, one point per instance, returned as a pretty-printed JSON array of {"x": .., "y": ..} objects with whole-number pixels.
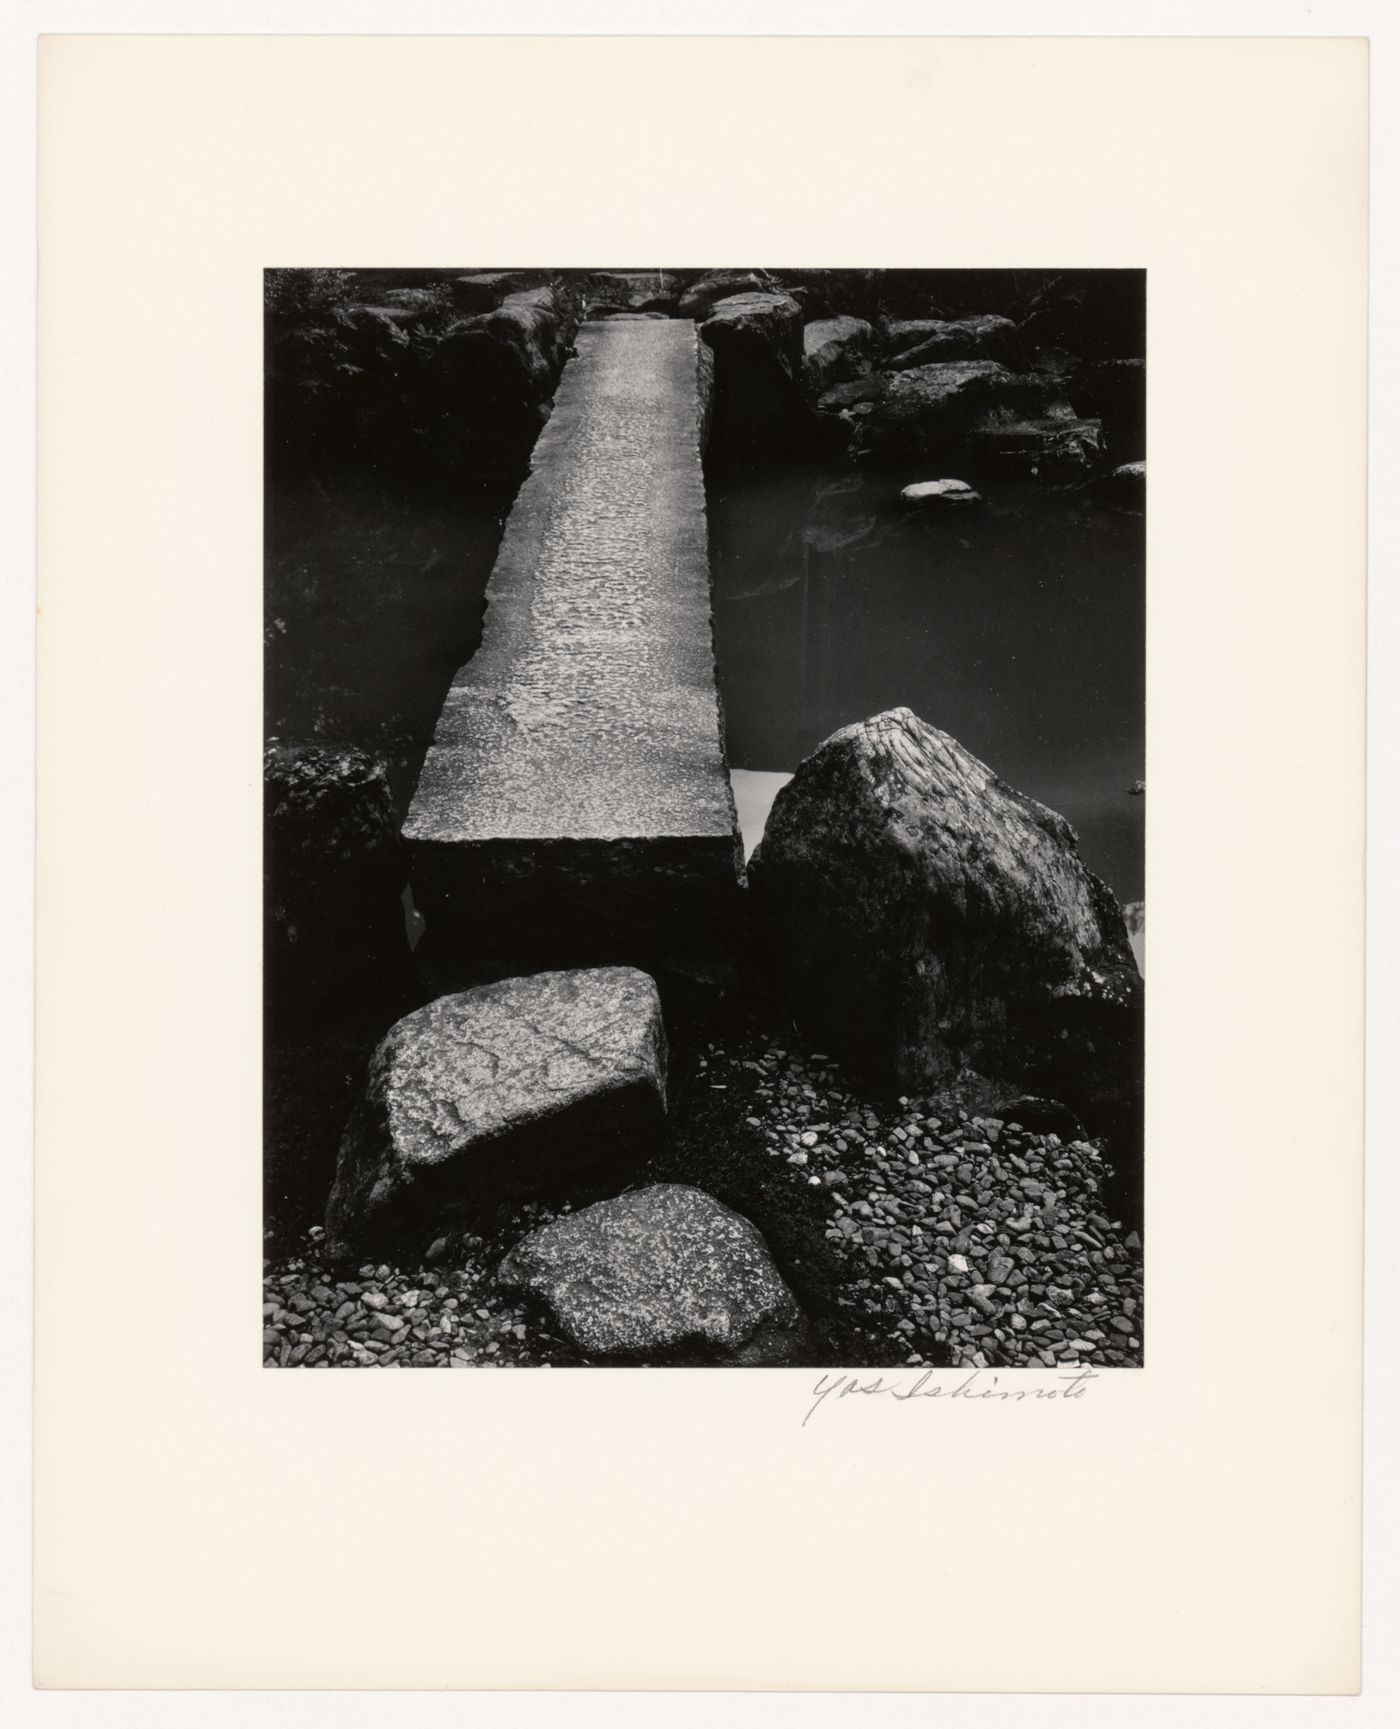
[
  {"x": 940, "y": 494},
  {"x": 921, "y": 915},
  {"x": 662, "y": 1273},
  {"x": 502, "y": 1090},
  {"x": 834, "y": 349},
  {"x": 574, "y": 807}
]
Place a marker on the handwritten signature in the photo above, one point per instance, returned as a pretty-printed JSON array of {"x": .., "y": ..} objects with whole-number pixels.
[{"x": 838, "y": 1387}]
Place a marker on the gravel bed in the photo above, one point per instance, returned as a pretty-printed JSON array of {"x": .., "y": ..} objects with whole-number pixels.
[
  {"x": 974, "y": 1240},
  {"x": 922, "y": 1231},
  {"x": 383, "y": 1316}
]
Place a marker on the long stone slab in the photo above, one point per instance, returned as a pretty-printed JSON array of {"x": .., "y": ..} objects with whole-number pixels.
[{"x": 575, "y": 806}]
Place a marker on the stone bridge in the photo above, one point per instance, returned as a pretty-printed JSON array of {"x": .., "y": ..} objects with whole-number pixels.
[{"x": 575, "y": 807}]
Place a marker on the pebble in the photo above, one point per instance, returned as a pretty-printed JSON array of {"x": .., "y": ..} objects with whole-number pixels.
[{"x": 1023, "y": 1218}]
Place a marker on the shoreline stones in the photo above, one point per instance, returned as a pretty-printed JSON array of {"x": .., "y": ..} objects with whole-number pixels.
[
  {"x": 916, "y": 341},
  {"x": 507, "y": 1089},
  {"x": 834, "y": 349},
  {"x": 662, "y": 1273},
  {"x": 920, "y": 914}
]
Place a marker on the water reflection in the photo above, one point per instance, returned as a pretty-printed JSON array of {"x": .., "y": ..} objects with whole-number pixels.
[{"x": 1016, "y": 625}]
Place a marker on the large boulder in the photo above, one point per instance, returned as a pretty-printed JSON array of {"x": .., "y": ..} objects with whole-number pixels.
[
  {"x": 403, "y": 386},
  {"x": 834, "y": 349},
  {"x": 489, "y": 382},
  {"x": 486, "y": 289},
  {"x": 930, "y": 410},
  {"x": 827, "y": 293},
  {"x": 525, "y": 337},
  {"x": 1056, "y": 445},
  {"x": 760, "y": 411},
  {"x": 663, "y": 1274},
  {"x": 507, "y": 1089},
  {"x": 333, "y": 881},
  {"x": 922, "y": 915},
  {"x": 754, "y": 324},
  {"x": 918, "y": 341},
  {"x": 702, "y": 296},
  {"x": 633, "y": 290}
]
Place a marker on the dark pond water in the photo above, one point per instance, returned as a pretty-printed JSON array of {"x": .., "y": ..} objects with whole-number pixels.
[
  {"x": 1017, "y": 626},
  {"x": 372, "y": 602}
]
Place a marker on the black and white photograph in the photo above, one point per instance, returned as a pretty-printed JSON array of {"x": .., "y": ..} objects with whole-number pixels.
[{"x": 704, "y": 817}]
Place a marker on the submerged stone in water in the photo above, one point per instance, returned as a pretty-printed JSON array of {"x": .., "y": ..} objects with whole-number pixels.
[{"x": 940, "y": 493}]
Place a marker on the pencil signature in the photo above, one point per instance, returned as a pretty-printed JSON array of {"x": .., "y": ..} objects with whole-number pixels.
[{"x": 974, "y": 1386}]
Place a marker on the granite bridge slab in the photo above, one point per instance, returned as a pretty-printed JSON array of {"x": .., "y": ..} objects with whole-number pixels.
[{"x": 575, "y": 806}]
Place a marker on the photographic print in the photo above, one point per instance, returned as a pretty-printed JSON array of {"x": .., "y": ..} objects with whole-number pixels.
[{"x": 704, "y": 817}]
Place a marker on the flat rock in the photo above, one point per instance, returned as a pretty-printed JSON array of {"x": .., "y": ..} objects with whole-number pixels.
[
  {"x": 921, "y": 915},
  {"x": 506, "y": 1089},
  {"x": 487, "y": 288},
  {"x": 940, "y": 494},
  {"x": 661, "y": 1274}
]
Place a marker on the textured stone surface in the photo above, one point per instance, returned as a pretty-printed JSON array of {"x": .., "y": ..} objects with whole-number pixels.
[
  {"x": 931, "y": 409},
  {"x": 932, "y": 402},
  {"x": 754, "y": 324},
  {"x": 834, "y": 349},
  {"x": 487, "y": 288},
  {"x": 663, "y": 1273},
  {"x": 501, "y": 1090},
  {"x": 923, "y": 915},
  {"x": 574, "y": 805},
  {"x": 917, "y": 341},
  {"x": 635, "y": 290},
  {"x": 716, "y": 285},
  {"x": 761, "y": 412}
]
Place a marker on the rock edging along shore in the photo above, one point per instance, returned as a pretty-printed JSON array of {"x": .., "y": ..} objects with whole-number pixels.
[{"x": 575, "y": 806}]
